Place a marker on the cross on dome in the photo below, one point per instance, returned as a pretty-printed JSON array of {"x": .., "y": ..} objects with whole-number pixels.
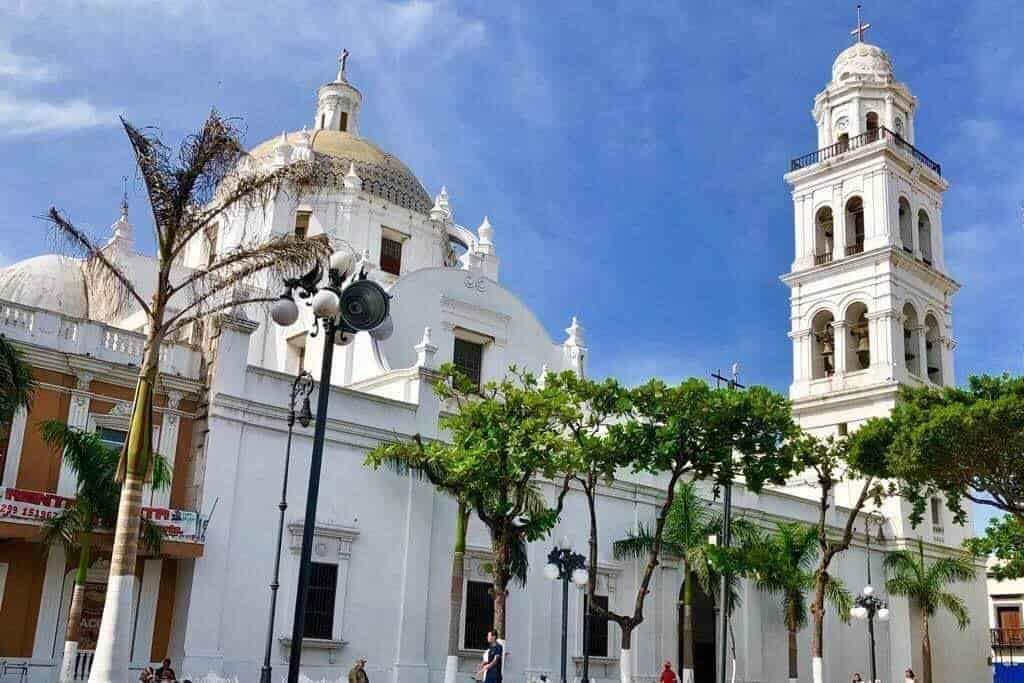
[
  {"x": 861, "y": 27},
  {"x": 342, "y": 62}
]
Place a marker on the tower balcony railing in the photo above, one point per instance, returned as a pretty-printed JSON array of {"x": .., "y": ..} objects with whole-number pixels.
[
  {"x": 1008, "y": 637},
  {"x": 882, "y": 134}
]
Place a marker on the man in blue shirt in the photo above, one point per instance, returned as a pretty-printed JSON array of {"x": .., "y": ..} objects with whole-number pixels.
[{"x": 490, "y": 672}]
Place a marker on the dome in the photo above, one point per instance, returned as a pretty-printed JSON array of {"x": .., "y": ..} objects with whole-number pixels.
[
  {"x": 50, "y": 282},
  {"x": 863, "y": 61},
  {"x": 382, "y": 174}
]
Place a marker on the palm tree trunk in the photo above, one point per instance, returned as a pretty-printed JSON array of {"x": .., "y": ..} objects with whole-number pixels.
[
  {"x": 686, "y": 602},
  {"x": 67, "y": 669},
  {"x": 110, "y": 663},
  {"x": 455, "y": 604},
  {"x": 793, "y": 675},
  {"x": 926, "y": 651}
]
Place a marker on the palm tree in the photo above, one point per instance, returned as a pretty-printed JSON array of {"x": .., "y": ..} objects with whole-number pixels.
[
  {"x": 190, "y": 193},
  {"x": 925, "y": 584},
  {"x": 783, "y": 564},
  {"x": 17, "y": 386},
  {"x": 95, "y": 505},
  {"x": 689, "y": 524}
]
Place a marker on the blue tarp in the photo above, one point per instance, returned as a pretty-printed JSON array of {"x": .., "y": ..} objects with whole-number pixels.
[{"x": 1006, "y": 673}]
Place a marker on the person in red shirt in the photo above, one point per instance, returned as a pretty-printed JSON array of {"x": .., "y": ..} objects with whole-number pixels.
[{"x": 668, "y": 675}]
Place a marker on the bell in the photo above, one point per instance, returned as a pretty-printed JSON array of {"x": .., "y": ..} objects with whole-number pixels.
[
  {"x": 862, "y": 345},
  {"x": 826, "y": 346}
]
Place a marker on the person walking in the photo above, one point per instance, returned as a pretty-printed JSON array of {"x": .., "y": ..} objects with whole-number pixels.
[
  {"x": 165, "y": 672},
  {"x": 490, "y": 670},
  {"x": 358, "y": 672},
  {"x": 909, "y": 676},
  {"x": 667, "y": 674},
  {"x": 856, "y": 678}
]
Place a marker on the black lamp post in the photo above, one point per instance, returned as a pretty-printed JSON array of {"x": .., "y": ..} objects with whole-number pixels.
[
  {"x": 867, "y": 606},
  {"x": 347, "y": 304},
  {"x": 564, "y": 565},
  {"x": 301, "y": 387}
]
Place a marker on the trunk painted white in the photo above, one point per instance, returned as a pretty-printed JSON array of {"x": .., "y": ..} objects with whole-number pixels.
[
  {"x": 110, "y": 663},
  {"x": 817, "y": 674},
  {"x": 794, "y": 680},
  {"x": 626, "y": 666},
  {"x": 67, "y": 666},
  {"x": 687, "y": 676},
  {"x": 451, "y": 669}
]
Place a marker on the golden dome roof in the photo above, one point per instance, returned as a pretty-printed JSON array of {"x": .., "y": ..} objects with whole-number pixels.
[{"x": 383, "y": 174}]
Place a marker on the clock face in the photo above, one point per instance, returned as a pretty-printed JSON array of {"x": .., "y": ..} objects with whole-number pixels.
[{"x": 843, "y": 123}]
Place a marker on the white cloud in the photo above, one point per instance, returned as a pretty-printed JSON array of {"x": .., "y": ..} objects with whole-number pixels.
[
  {"x": 26, "y": 115},
  {"x": 15, "y": 68}
]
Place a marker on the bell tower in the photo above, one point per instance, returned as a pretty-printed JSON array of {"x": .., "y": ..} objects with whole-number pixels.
[
  {"x": 338, "y": 102},
  {"x": 870, "y": 294}
]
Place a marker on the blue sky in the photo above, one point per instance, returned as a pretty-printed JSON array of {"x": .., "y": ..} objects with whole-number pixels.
[{"x": 630, "y": 155}]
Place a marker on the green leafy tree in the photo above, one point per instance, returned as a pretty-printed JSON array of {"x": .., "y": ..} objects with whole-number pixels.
[
  {"x": 501, "y": 438},
  {"x": 17, "y": 386},
  {"x": 830, "y": 464},
  {"x": 910, "y": 576},
  {"x": 688, "y": 527},
  {"x": 1003, "y": 540},
  {"x": 691, "y": 430},
  {"x": 95, "y": 506},
  {"x": 784, "y": 564},
  {"x": 190, "y": 191}
]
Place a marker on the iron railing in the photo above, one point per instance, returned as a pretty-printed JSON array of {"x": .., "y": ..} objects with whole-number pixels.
[
  {"x": 854, "y": 249},
  {"x": 1008, "y": 637},
  {"x": 823, "y": 259},
  {"x": 859, "y": 141}
]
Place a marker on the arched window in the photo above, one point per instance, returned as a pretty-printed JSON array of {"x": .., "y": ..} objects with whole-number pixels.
[
  {"x": 906, "y": 226},
  {"x": 871, "y": 125},
  {"x": 858, "y": 346},
  {"x": 343, "y": 122},
  {"x": 854, "y": 226},
  {"x": 843, "y": 142},
  {"x": 911, "y": 340},
  {"x": 924, "y": 236},
  {"x": 933, "y": 347},
  {"x": 823, "y": 236},
  {"x": 823, "y": 346}
]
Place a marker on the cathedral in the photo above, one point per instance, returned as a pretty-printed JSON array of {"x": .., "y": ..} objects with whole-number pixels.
[{"x": 871, "y": 310}]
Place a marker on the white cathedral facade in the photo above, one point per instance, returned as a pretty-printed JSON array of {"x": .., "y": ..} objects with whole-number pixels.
[{"x": 871, "y": 310}]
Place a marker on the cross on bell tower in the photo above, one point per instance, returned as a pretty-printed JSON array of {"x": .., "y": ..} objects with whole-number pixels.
[
  {"x": 861, "y": 27},
  {"x": 343, "y": 62}
]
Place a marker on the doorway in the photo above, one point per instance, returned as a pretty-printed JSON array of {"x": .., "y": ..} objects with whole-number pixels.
[{"x": 704, "y": 626}]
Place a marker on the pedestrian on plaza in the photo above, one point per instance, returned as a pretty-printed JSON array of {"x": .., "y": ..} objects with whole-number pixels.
[
  {"x": 165, "y": 672},
  {"x": 490, "y": 671},
  {"x": 856, "y": 678},
  {"x": 147, "y": 675},
  {"x": 358, "y": 672},
  {"x": 667, "y": 674},
  {"x": 908, "y": 675}
]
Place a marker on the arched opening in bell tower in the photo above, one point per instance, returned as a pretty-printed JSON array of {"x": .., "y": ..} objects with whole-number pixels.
[
  {"x": 824, "y": 236},
  {"x": 911, "y": 340},
  {"x": 871, "y": 125},
  {"x": 823, "y": 346},
  {"x": 924, "y": 236},
  {"x": 933, "y": 346},
  {"x": 854, "y": 226},
  {"x": 906, "y": 226},
  {"x": 858, "y": 347}
]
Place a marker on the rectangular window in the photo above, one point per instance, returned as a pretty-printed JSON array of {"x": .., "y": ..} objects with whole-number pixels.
[
  {"x": 844, "y": 429},
  {"x": 112, "y": 438},
  {"x": 936, "y": 512},
  {"x": 468, "y": 359},
  {"x": 598, "y": 633},
  {"x": 390, "y": 256},
  {"x": 323, "y": 583},
  {"x": 479, "y": 615},
  {"x": 301, "y": 224},
  {"x": 343, "y": 123}
]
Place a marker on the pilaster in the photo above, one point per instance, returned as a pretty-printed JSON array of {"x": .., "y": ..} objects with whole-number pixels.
[
  {"x": 78, "y": 417},
  {"x": 168, "y": 445},
  {"x": 145, "y": 620},
  {"x": 12, "y": 461}
]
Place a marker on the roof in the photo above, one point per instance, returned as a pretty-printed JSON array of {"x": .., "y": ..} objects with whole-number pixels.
[
  {"x": 51, "y": 282},
  {"x": 865, "y": 61},
  {"x": 383, "y": 174}
]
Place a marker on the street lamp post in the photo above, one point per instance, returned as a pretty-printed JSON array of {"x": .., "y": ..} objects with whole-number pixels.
[
  {"x": 347, "y": 304},
  {"x": 301, "y": 387},
  {"x": 868, "y": 606},
  {"x": 565, "y": 565}
]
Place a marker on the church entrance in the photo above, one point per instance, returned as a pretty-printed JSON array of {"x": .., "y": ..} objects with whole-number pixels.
[{"x": 704, "y": 627}]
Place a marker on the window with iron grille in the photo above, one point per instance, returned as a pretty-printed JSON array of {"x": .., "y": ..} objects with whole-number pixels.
[
  {"x": 598, "y": 628},
  {"x": 479, "y": 615},
  {"x": 323, "y": 583},
  {"x": 390, "y": 256},
  {"x": 301, "y": 224},
  {"x": 468, "y": 359}
]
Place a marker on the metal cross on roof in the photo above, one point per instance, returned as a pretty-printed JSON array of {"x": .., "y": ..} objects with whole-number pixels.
[
  {"x": 343, "y": 59},
  {"x": 861, "y": 28}
]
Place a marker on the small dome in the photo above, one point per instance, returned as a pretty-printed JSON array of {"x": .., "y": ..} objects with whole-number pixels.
[
  {"x": 382, "y": 174},
  {"x": 863, "y": 61},
  {"x": 50, "y": 282}
]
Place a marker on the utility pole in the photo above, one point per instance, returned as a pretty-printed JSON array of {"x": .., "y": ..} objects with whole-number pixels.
[{"x": 731, "y": 383}]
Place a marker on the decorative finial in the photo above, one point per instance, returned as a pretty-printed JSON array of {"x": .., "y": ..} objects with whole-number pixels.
[
  {"x": 485, "y": 231},
  {"x": 342, "y": 64},
  {"x": 861, "y": 27},
  {"x": 124, "y": 197}
]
